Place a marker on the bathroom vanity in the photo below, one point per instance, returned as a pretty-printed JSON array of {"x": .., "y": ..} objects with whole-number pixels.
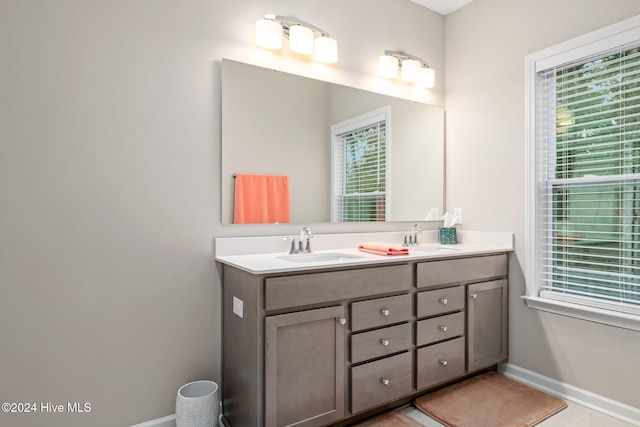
[{"x": 329, "y": 342}]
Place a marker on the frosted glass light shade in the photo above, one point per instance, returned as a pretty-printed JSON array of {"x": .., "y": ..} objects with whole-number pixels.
[
  {"x": 326, "y": 50},
  {"x": 410, "y": 69},
  {"x": 426, "y": 77},
  {"x": 301, "y": 39},
  {"x": 388, "y": 66},
  {"x": 268, "y": 34}
]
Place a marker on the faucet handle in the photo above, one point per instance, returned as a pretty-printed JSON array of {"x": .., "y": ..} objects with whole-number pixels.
[
  {"x": 415, "y": 229},
  {"x": 293, "y": 244},
  {"x": 308, "y": 246}
]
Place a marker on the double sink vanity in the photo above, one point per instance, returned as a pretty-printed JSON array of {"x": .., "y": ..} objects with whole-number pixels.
[{"x": 335, "y": 335}]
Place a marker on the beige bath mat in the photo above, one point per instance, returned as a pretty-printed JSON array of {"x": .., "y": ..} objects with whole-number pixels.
[
  {"x": 489, "y": 400},
  {"x": 390, "y": 419}
]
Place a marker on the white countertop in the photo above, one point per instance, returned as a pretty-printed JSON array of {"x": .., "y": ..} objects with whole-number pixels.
[{"x": 262, "y": 255}]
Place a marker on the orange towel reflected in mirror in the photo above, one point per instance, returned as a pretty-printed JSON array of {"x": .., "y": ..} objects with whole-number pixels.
[{"x": 261, "y": 199}]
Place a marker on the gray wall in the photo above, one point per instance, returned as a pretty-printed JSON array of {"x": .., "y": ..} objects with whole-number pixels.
[
  {"x": 110, "y": 186},
  {"x": 486, "y": 43}
]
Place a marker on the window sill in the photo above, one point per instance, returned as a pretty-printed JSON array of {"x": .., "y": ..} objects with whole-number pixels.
[{"x": 606, "y": 317}]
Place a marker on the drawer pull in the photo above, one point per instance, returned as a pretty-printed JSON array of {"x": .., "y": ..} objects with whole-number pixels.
[
  {"x": 474, "y": 295},
  {"x": 443, "y": 328},
  {"x": 384, "y": 342},
  {"x": 444, "y": 301},
  {"x": 443, "y": 362},
  {"x": 385, "y": 382},
  {"x": 385, "y": 312},
  {"x": 342, "y": 321}
]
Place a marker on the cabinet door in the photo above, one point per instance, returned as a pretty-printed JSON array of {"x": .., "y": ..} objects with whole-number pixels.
[
  {"x": 305, "y": 367},
  {"x": 487, "y": 324}
]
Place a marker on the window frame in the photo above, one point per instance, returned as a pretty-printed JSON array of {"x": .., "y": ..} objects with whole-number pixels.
[{"x": 621, "y": 33}]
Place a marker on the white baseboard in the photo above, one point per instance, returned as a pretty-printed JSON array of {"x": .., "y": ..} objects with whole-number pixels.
[
  {"x": 168, "y": 421},
  {"x": 612, "y": 408}
]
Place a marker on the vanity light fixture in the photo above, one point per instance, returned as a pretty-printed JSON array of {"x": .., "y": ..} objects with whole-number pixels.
[
  {"x": 413, "y": 69},
  {"x": 304, "y": 38}
]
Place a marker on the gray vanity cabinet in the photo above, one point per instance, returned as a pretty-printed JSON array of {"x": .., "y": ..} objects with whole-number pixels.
[
  {"x": 487, "y": 324},
  {"x": 316, "y": 348},
  {"x": 457, "y": 300},
  {"x": 305, "y": 367},
  {"x": 286, "y": 337}
]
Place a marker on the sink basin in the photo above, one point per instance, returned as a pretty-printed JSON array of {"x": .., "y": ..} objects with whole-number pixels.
[
  {"x": 433, "y": 249},
  {"x": 318, "y": 257}
]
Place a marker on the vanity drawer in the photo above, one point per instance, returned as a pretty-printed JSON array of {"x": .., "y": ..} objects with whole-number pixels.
[
  {"x": 381, "y": 342},
  {"x": 381, "y": 381},
  {"x": 381, "y": 312},
  {"x": 317, "y": 288},
  {"x": 431, "y": 303},
  {"x": 440, "y": 362},
  {"x": 439, "y": 328},
  {"x": 443, "y": 272}
]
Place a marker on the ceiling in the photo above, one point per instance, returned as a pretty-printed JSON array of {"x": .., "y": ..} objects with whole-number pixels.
[{"x": 442, "y": 6}]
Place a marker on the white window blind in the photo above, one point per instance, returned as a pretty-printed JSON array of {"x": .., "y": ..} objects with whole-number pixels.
[
  {"x": 588, "y": 180},
  {"x": 360, "y": 168}
]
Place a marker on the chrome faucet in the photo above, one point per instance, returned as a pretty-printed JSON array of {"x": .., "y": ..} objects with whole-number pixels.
[
  {"x": 412, "y": 236},
  {"x": 304, "y": 245},
  {"x": 305, "y": 235}
]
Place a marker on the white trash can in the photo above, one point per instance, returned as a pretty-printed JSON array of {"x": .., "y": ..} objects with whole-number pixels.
[{"x": 198, "y": 404}]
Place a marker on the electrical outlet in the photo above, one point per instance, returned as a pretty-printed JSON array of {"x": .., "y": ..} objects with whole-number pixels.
[
  {"x": 457, "y": 212},
  {"x": 238, "y": 307}
]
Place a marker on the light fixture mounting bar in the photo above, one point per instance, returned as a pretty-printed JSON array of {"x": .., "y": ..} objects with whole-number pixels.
[
  {"x": 288, "y": 22},
  {"x": 403, "y": 55}
]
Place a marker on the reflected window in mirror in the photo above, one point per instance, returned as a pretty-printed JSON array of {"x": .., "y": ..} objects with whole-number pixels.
[{"x": 359, "y": 152}]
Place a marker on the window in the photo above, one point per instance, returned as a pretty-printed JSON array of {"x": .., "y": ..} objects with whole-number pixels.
[
  {"x": 584, "y": 179},
  {"x": 360, "y": 168}
]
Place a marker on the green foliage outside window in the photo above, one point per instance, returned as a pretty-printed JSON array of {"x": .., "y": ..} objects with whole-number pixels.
[
  {"x": 365, "y": 174},
  {"x": 596, "y": 178}
]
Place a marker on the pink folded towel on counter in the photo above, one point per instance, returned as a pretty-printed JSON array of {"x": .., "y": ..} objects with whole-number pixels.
[{"x": 382, "y": 248}]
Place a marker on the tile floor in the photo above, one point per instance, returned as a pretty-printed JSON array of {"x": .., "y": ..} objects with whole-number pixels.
[{"x": 573, "y": 415}]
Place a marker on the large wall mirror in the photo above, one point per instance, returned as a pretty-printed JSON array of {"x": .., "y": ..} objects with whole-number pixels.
[{"x": 275, "y": 123}]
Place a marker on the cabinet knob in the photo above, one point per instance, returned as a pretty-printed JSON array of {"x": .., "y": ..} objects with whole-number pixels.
[
  {"x": 474, "y": 295},
  {"x": 443, "y": 328},
  {"x": 384, "y": 342},
  {"x": 342, "y": 321},
  {"x": 385, "y": 382},
  {"x": 444, "y": 362},
  {"x": 385, "y": 312},
  {"x": 444, "y": 301}
]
